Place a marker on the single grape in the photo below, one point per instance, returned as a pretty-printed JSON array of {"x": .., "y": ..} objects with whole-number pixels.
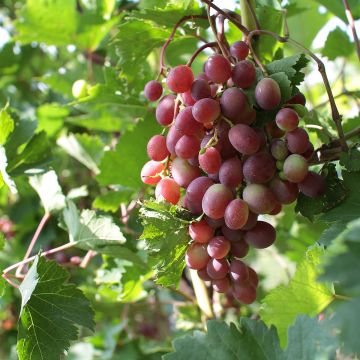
[
  {"x": 200, "y": 89},
  {"x": 217, "y": 268},
  {"x": 186, "y": 123},
  {"x": 150, "y": 172},
  {"x": 261, "y": 236},
  {"x": 236, "y": 214},
  {"x": 251, "y": 222},
  {"x": 196, "y": 256},
  {"x": 203, "y": 275},
  {"x": 215, "y": 223},
  {"x": 239, "y": 272},
  {"x": 201, "y": 231},
  {"x": 284, "y": 191},
  {"x": 267, "y": 94},
  {"x": 165, "y": 110},
  {"x": 153, "y": 90},
  {"x": 183, "y": 173},
  {"x": 221, "y": 285},
  {"x": 279, "y": 149},
  {"x": 246, "y": 294},
  {"x": 313, "y": 185},
  {"x": 259, "y": 168},
  {"x": 206, "y": 110},
  {"x": 215, "y": 200},
  {"x": 187, "y": 146},
  {"x": 243, "y": 74},
  {"x": 244, "y": 139},
  {"x": 218, "y": 247},
  {"x": 172, "y": 138},
  {"x": 253, "y": 277},
  {"x": 180, "y": 79},
  {"x": 260, "y": 198},
  {"x": 295, "y": 168},
  {"x": 239, "y": 249},
  {"x": 168, "y": 189},
  {"x": 156, "y": 148},
  {"x": 287, "y": 119},
  {"x": 239, "y": 50},
  {"x": 187, "y": 99},
  {"x": 218, "y": 69},
  {"x": 299, "y": 98},
  {"x": 233, "y": 104},
  {"x": 297, "y": 141},
  {"x": 196, "y": 190},
  {"x": 210, "y": 160},
  {"x": 276, "y": 210},
  {"x": 80, "y": 89},
  {"x": 230, "y": 173}
]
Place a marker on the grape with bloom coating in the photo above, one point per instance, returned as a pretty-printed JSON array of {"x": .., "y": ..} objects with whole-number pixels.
[
  {"x": 295, "y": 168},
  {"x": 217, "y": 268},
  {"x": 234, "y": 104},
  {"x": 246, "y": 294},
  {"x": 260, "y": 198},
  {"x": 180, "y": 79},
  {"x": 218, "y": 69},
  {"x": 313, "y": 185},
  {"x": 244, "y": 139},
  {"x": 165, "y": 110},
  {"x": 200, "y": 89},
  {"x": 206, "y": 110},
  {"x": 297, "y": 141},
  {"x": 259, "y": 168},
  {"x": 287, "y": 119},
  {"x": 230, "y": 173},
  {"x": 267, "y": 94},
  {"x": 239, "y": 272},
  {"x": 239, "y": 249},
  {"x": 210, "y": 160},
  {"x": 156, "y": 148},
  {"x": 261, "y": 236},
  {"x": 153, "y": 90},
  {"x": 243, "y": 74},
  {"x": 186, "y": 123},
  {"x": 284, "y": 191},
  {"x": 196, "y": 190},
  {"x": 183, "y": 173},
  {"x": 215, "y": 200},
  {"x": 187, "y": 146},
  {"x": 239, "y": 50},
  {"x": 236, "y": 214}
]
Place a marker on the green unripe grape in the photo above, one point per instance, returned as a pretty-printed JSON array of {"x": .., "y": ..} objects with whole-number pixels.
[{"x": 279, "y": 165}]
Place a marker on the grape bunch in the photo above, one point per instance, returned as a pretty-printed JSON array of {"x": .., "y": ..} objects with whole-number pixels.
[{"x": 231, "y": 170}]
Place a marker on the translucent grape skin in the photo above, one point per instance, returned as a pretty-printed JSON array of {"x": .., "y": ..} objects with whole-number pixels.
[
  {"x": 261, "y": 236},
  {"x": 221, "y": 285},
  {"x": 230, "y": 173},
  {"x": 210, "y": 160},
  {"x": 236, "y": 214},
  {"x": 295, "y": 168},
  {"x": 186, "y": 123},
  {"x": 183, "y": 173},
  {"x": 187, "y": 146},
  {"x": 287, "y": 119},
  {"x": 196, "y": 256},
  {"x": 218, "y": 247},
  {"x": 239, "y": 50},
  {"x": 165, "y": 110},
  {"x": 284, "y": 191},
  {"x": 168, "y": 189},
  {"x": 243, "y": 74},
  {"x": 217, "y": 268},
  {"x": 297, "y": 141},
  {"x": 239, "y": 272},
  {"x": 244, "y": 139},
  {"x": 206, "y": 110},
  {"x": 260, "y": 198},
  {"x": 259, "y": 168},
  {"x": 239, "y": 249},
  {"x": 149, "y": 170},
  {"x": 180, "y": 78},
  {"x": 153, "y": 90},
  {"x": 218, "y": 69},
  {"x": 234, "y": 104},
  {"x": 201, "y": 231},
  {"x": 156, "y": 148},
  {"x": 215, "y": 200},
  {"x": 279, "y": 149},
  {"x": 246, "y": 294},
  {"x": 200, "y": 89},
  {"x": 313, "y": 185},
  {"x": 267, "y": 94},
  {"x": 196, "y": 190}
]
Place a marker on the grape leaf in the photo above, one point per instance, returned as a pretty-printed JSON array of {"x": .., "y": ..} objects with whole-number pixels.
[
  {"x": 111, "y": 201},
  {"x": 303, "y": 295},
  {"x": 85, "y": 148},
  {"x": 91, "y": 232},
  {"x": 50, "y": 310},
  {"x": 6, "y": 125},
  {"x": 123, "y": 166},
  {"x": 335, "y": 193},
  {"x": 351, "y": 159},
  {"x": 284, "y": 84},
  {"x": 337, "y": 8},
  {"x": 332, "y": 50},
  {"x": 167, "y": 239},
  {"x": 48, "y": 188},
  {"x": 2, "y": 241},
  {"x": 4, "y": 176}
]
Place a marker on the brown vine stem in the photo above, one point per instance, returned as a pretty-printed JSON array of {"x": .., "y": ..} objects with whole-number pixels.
[
  {"x": 199, "y": 50},
  {"x": 170, "y": 38},
  {"x": 352, "y": 25},
  {"x": 222, "y": 37},
  {"x": 33, "y": 241}
]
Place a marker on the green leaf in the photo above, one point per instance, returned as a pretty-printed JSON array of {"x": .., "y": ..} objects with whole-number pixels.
[
  {"x": 332, "y": 50},
  {"x": 6, "y": 125},
  {"x": 4, "y": 176},
  {"x": 167, "y": 239},
  {"x": 284, "y": 84},
  {"x": 309, "y": 339},
  {"x": 337, "y": 8},
  {"x": 50, "y": 311},
  {"x": 303, "y": 295},
  {"x": 48, "y": 188},
  {"x": 123, "y": 166},
  {"x": 351, "y": 160},
  {"x": 91, "y": 232},
  {"x": 249, "y": 339},
  {"x": 85, "y": 148},
  {"x": 112, "y": 200},
  {"x": 2, "y": 241},
  {"x": 335, "y": 193}
]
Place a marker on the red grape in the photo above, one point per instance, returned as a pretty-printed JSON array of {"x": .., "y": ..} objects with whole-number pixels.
[
  {"x": 172, "y": 138},
  {"x": 196, "y": 256},
  {"x": 268, "y": 94},
  {"x": 244, "y": 139},
  {"x": 206, "y": 110},
  {"x": 149, "y": 172},
  {"x": 201, "y": 231},
  {"x": 287, "y": 119},
  {"x": 187, "y": 146},
  {"x": 236, "y": 214},
  {"x": 218, "y": 69},
  {"x": 156, "y": 148},
  {"x": 218, "y": 247},
  {"x": 221, "y": 285},
  {"x": 239, "y": 50},
  {"x": 246, "y": 294},
  {"x": 239, "y": 249},
  {"x": 295, "y": 168},
  {"x": 183, "y": 173},
  {"x": 180, "y": 79},
  {"x": 260, "y": 198},
  {"x": 297, "y": 141},
  {"x": 244, "y": 74},
  {"x": 168, "y": 189},
  {"x": 313, "y": 185},
  {"x": 299, "y": 98},
  {"x": 233, "y": 104},
  {"x": 187, "y": 98},
  {"x": 284, "y": 191},
  {"x": 210, "y": 160},
  {"x": 186, "y": 123},
  {"x": 279, "y": 149},
  {"x": 230, "y": 173},
  {"x": 215, "y": 200},
  {"x": 261, "y": 236},
  {"x": 217, "y": 268},
  {"x": 200, "y": 89},
  {"x": 251, "y": 222},
  {"x": 153, "y": 90},
  {"x": 165, "y": 110},
  {"x": 259, "y": 168},
  {"x": 239, "y": 272}
]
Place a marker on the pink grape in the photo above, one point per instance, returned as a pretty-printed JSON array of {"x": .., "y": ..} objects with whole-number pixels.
[
  {"x": 183, "y": 173},
  {"x": 153, "y": 90},
  {"x": 217, "y": 268},
  {"x": 168, "y": 189},
  {"x": 187, "y": 146},
  {"x": 201, "y": 231},
  {"x": 236, "y": 214},
  {"x": 239, "y": 50},
  {"x": 221, "y": 285},
  {"x": 165, "y": 110},
  {"x": 231, "y": 173},
  {"x": 215, "y": 200},
  {"x": 259, "y": 168},
  {"x": 295, "y": 168},
  {"x": 180, "y": 79},
  {"x": 244, "y": 74},
  {"x": 218, "y": 247},
  {"x": 150, "y": 172},
  {"x": 261, "y": 236},
  {"x": 206, "y": 110},
  {"x": 196, "y": 256},
  {"x": 156, "y": 148},
  {"x": 239, "y": 272},
  {"x": 210, "y": 160},
  {"x": 260, "y": 198},
  {"x": 287, "y": 119},
  {"x": 268, "y": 94},
  {"x": 313, "y": 185},
  {"x": 244, "y": 139},
  {"x": 200, "y": 89},
  {"x": 218, "y": 69},
  {"x": 297, "y": 141},
  {"x": 186, "y": 123}
]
